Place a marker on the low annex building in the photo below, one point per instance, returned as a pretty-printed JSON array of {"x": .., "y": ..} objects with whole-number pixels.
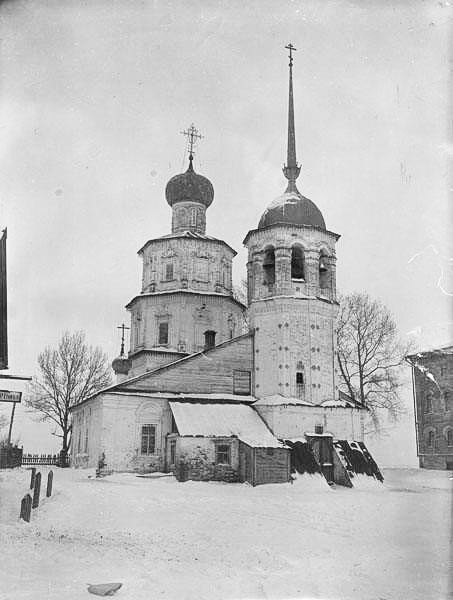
[{"x": 214, "y": 389}]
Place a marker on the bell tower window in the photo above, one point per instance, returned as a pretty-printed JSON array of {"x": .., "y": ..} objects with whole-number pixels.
[
  {"x": 297, "y": 263},
  {"x": 269, "y": 266},
  {"x": 324, "y": 275},
  {"x": 163, "y": 333},
  {"x": 300, "y": 380},
  {"x": 169, "y": 271}
]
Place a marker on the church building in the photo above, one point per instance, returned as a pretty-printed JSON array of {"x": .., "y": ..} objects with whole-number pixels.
[{"x": 209, "y": 394}]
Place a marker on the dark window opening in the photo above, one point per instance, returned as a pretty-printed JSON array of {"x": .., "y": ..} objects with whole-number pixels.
[
  {"x": 163, "y": 334},
  {"x": 223, "y": 454},
  {"x": 300, "y": 378},
  {"x": 319, "y": 428},
  {"x": 430, "y": 439},
  {"x": 297, "y": 263},
  {"x": 242, "y": 382},
  {"x": 450, "y": 437},
  {"x": 324, "y": 274},
  {"x": 429, "y": 403},
  {"x": 148, "y": 444},
  {"x": 269, "y": 266},
  {"x": 169, "y": 271},
  {"x": 209, "y": 339}
]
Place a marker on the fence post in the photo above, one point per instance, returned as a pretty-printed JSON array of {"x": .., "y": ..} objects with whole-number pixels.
[
  {"x": 25, "y": 508},
  {"x": 49, "y": 484},
  {"x": 32, "y": 479},
  {"x": 36, "y": 491}
]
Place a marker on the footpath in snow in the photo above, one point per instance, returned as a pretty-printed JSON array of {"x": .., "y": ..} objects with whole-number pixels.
[{"x": 216, "y": 541}]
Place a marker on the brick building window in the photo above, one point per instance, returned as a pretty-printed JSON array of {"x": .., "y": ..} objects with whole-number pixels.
[
  {"x": 429, "y": 402},
  {"x": 297, "y": 263},
  {"x": 449, "y": 437},
  {"x": 223, "y": 454},
  {"x": 163, "y": 333},
  {"x": 269, "y": 266},
  {"x": 242, "y": 382},
  {"x": 148, "y": 439},
  {"x": 430, "y": 441},
  {"x": 169, "y": 271}
]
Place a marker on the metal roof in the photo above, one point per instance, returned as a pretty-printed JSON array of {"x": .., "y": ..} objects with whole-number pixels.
[{"x": 223, "y": 420}]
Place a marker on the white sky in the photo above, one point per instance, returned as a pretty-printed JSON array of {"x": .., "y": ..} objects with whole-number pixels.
[{"x": 95, "y": 94}]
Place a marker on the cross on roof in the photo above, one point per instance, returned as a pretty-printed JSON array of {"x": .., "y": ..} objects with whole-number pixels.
[
  {"x": 123, "y": 328},
  {"x": 192, "y": 135},
  {"x": 291, "y": 48}
]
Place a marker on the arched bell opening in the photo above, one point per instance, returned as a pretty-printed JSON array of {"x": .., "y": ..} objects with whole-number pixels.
[
  {"x": 269, "y": 265},
  {"x": 324, "y": 271},
  {"x": 297, "y": 263}
]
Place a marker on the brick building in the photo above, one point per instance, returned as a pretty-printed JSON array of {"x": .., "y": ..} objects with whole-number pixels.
[
  {"x": 432, "y": 377},
  {"x": 204, "y": 396}
]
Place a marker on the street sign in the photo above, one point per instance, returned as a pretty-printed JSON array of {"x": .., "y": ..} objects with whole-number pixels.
[{"x": 7, "y": 396}]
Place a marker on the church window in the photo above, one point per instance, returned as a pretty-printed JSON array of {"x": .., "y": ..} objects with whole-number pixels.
[
  {"x": 269, "y": 266},
  {"x": 169, "y": 271},
  {"x": 429, "y": 402},
  {"x": 223, "y": 454},
  {"x": 297, "y": 263},
  {"x": 449, "y": 437},
  {"x": 242, "y": 382},
  {"x": 324, "y": 275},
  {"x": 163, "y": 333},
  {"x": 148, "y": 441},
  {"x": 193, "y": 217},
  {"x": 430, "y": 442},
  {"x": 300, "y": 384},
  {"x": 209, "y": 339}
]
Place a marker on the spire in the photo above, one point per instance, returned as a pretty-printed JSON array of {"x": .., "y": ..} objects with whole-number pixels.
[
  {"x": 291, "y": 170},
  {"x": 192, "y": 135}
]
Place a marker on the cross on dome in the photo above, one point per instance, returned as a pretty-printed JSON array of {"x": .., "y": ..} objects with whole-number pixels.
[{"x": 192, "y": 135}]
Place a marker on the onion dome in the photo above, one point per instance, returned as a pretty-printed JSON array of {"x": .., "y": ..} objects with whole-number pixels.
[
  {"x": 121, "y": 365},
  {"x": 294, "y": 209},
  {"x": 189, "y": 187}
]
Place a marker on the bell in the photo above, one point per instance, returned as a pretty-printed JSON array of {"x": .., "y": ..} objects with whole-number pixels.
[{"x": 322, "y": 265}]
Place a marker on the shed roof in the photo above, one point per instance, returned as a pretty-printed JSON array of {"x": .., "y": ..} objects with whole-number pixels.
[{"x": 223, "y": 420}]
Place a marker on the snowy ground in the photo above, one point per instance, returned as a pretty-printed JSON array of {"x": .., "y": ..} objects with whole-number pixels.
[{"x": 164, "y": 539}]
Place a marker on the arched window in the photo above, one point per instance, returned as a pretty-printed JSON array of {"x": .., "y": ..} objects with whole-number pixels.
[
  {"x": 429, "y": 402},
  {"x": 449, "y": 437},
  {"x": 209, "y": 339},
  {"x": 324, "y": 273},
  {"x": 297, "y": 263},
  {"x": 269, "y": 266},
  {"x": 430, "y": 441}
]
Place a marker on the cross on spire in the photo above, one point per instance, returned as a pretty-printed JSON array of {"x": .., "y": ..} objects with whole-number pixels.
[
  {"x": 123, "y": 328},
  {"x": 291, "y": 48},
  {"x": 192, "y": 135}
]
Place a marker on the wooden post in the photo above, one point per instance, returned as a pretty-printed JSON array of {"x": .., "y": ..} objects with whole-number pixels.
[
  {"x": 49, "y": 484},
  {"x": 25, "y": 508},
  {"x": 32, "y": 479},
  {"x": 11, "y": 423},
  {"x": 36, "y": 491}
]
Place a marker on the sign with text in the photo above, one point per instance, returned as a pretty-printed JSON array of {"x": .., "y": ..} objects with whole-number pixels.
[{"x": 7, "y": 396}]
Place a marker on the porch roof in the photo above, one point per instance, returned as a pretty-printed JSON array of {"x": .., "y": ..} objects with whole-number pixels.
[{"x": 223, "y": 420}]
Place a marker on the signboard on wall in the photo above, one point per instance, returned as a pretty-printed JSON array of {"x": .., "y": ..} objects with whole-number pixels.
[{"x": 3, "y": 306}]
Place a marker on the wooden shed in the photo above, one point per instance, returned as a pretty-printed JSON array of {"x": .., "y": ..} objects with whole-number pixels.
[{"x": 259, "y": 465}]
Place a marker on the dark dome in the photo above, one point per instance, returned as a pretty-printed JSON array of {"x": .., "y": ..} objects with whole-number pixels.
[
  {"x": 189, "y": 187},
  {"x": 294, "y": 209},
  {"x": 122, "y": 365}
]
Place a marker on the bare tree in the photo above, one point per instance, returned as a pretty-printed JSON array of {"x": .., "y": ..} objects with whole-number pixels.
[
  {"x": 68, "y": 375},
  {"x": 370, "y": 355}
]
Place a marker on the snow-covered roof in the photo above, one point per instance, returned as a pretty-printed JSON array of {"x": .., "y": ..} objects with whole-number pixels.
[
  {"x": 223, "y": 420},
  {"x": 279, "y": 400},
  {"x": 191, "y": 397}
]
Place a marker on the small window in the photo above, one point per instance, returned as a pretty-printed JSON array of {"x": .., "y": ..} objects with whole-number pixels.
[
  {"x": 173, "y": 452},
  {"x": 209, "y": 339},
  {"x": 299, "y": 378},
  {"x": 430, "y": 439},
  {"x": 163, "y": 334},
  {"x": 169, "y": 271},
  {"x": 148, "y": 439},
  {"x": 223, "y": 454},
  {"x": 429, "y": 403},
  {"x": 269, "y": 266},
  {"x": 297, "y": 263},
  {"x": 242, "y": 382}
]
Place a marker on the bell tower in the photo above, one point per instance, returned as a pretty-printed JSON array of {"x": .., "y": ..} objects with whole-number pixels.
[{"x": 292, "y": 290}]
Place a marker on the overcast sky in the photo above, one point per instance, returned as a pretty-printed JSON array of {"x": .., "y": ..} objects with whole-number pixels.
[{"x": 95, "y": 94}]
